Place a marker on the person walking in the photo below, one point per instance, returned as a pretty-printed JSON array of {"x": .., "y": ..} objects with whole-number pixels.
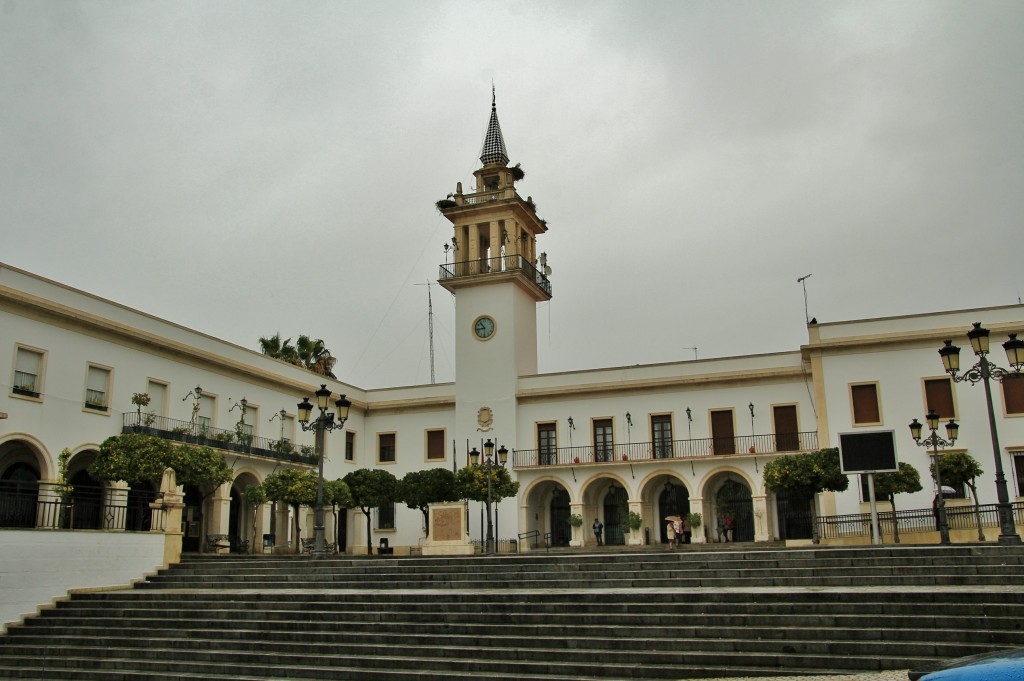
[
  {"x": 670, "y": 534},
  {"x": 598, "y": 532}
]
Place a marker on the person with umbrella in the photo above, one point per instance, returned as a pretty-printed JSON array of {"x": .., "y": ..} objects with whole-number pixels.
[{"x": 672, "y": 530}]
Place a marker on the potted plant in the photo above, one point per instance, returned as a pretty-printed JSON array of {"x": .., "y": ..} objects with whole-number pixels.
[
  {"x": 576, "y": 520},
  {"x": 576, "y": 459},
  {"x": 634, "y": 521},
  {"x": 625, "y": 457},
  {"x": 140, "y": 400}
]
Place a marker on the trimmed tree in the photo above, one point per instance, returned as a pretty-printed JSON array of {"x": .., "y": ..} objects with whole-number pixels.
[
  {"x": 371, "y": 488},
  {"x": 472, "y": 483},
  {"x": 255, "y": 496},
  {"x": 337, "y": 495},
  {"x": 906, "y": 480},
  {"x": 419, "y": 489},
  {"x": 802, "y": 476},
  {"x": 135, "y": 458},
  {"x": 960, "y": 468},
  {"x": 295, "y": 488}
]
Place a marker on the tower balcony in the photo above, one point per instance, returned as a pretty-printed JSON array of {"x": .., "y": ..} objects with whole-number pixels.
[
  {"x": 662, "y": 452},
  {"x": 515, "y": 263}
]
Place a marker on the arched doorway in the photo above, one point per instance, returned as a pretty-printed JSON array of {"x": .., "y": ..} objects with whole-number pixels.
[
  {"x": 237, "y": 533},
  {"x": 733, "y": 501},
  {"x": 547, "y": 522},
  {"x": 616, "y": 509},
  {"x": 192, "y": 519},
  {"x": 138, "y": 514},
  {"x": 561, "y": 532},
  {"x": 795, "y": 517},
  {"x": 673, "y": 500},
  {"x": 341, "y": 529},
  {"x": 86, "y": 502},
  {"x": 19, "y": 488}
]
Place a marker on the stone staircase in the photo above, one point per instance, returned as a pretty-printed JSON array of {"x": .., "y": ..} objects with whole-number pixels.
[{"x": 700, "y": 612}]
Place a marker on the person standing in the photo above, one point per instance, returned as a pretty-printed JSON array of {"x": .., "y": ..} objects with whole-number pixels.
[
  {"x": 598, "y": 532},
  {"x": 670, "y": 534}
]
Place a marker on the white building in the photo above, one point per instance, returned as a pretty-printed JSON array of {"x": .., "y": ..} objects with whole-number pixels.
[{"x": 689, "y": 436}]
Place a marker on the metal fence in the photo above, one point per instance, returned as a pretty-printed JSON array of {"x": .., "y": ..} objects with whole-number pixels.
[
  {"x": 513, "y": 262},
  {"x": 770, "y": 443},
  {"x": 500, "y": 546},
  {"x": 42, "y": 505},
  {"x": 231, "y": 440},
  {"x": 916, "y": 520}
]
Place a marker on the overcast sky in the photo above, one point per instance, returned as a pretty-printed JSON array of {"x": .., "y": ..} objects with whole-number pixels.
[{"x": 248, "y": 167}]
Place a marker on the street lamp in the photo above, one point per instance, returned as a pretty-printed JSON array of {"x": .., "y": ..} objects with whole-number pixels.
[
  {"x": 934, "y": 441},
  {"x": 489, "y": 465},
  {"x": 323, "y": 423},
  {"x": 983, "y": 371}
]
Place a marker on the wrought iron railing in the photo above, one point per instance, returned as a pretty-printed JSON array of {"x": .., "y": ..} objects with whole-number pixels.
[
  {"x": 504, "y": 263},
  {"x": 915, "y": 520},
  {"x": 500, "y": 546},
  {"x": 219, "y": 438},
  {"x": 44, "y": 505},
  {"x": 774, "y": 443}
]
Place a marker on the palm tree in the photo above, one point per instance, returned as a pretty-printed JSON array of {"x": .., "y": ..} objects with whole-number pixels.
[
  {"x": 313, "y": 355},
  {"x": 278, "y": 349}
]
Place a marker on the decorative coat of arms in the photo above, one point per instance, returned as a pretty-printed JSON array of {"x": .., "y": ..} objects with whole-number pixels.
[{"x": 484, "y": 419}]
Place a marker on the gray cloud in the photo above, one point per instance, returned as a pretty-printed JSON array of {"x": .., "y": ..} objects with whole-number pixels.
[{"x": 248, "y": 167}]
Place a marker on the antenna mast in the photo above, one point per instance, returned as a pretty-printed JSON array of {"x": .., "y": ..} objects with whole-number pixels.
[
  {"x": 430, "y": 328},
  {"x": 803, "y": 280}
]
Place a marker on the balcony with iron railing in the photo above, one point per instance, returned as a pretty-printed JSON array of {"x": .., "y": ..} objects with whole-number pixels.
[
  {"x": 238, "y": 440},
  {"x": 503, "y": 263},
  {"x": 639, "y": 452}
]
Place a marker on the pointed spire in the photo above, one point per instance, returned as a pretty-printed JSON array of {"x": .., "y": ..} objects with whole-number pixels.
[{"x": 494, "y": 143}]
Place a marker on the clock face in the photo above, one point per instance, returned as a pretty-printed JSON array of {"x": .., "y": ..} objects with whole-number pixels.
[{"x": 483, "y": 327}]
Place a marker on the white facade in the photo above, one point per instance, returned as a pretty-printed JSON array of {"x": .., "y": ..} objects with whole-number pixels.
[{"x": 685, "y": 436}]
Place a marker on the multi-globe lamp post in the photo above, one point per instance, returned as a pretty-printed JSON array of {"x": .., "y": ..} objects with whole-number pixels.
[
  {"x": 982, "y": 372},
  {"x": 934, "y": 441},
  {"x": 323, "y": 423},
  {"x": 488, "y": 466}
]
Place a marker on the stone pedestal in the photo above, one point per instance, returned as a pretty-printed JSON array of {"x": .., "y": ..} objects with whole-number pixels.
[
  {"x": 449, "y": 535},
  {"x": 170, "y": 503}
]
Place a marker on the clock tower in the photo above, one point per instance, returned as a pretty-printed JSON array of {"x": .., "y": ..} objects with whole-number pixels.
[{"x": 497, "y": 278}]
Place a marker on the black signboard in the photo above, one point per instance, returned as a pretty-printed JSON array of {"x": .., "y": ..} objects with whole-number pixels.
[{"x": 868, "y": 452}]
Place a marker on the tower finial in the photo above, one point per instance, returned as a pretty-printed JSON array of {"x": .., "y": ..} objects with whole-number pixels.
[{"x": 494, "y": 144}]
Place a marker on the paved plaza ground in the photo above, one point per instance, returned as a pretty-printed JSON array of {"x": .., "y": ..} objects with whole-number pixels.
[{"x": 895, "y": 675}]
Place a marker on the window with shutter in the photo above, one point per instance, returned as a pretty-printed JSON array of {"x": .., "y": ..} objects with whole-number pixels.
[
  {"x": 938, "y": 395},
  {"x": 864, "y": 398}
]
